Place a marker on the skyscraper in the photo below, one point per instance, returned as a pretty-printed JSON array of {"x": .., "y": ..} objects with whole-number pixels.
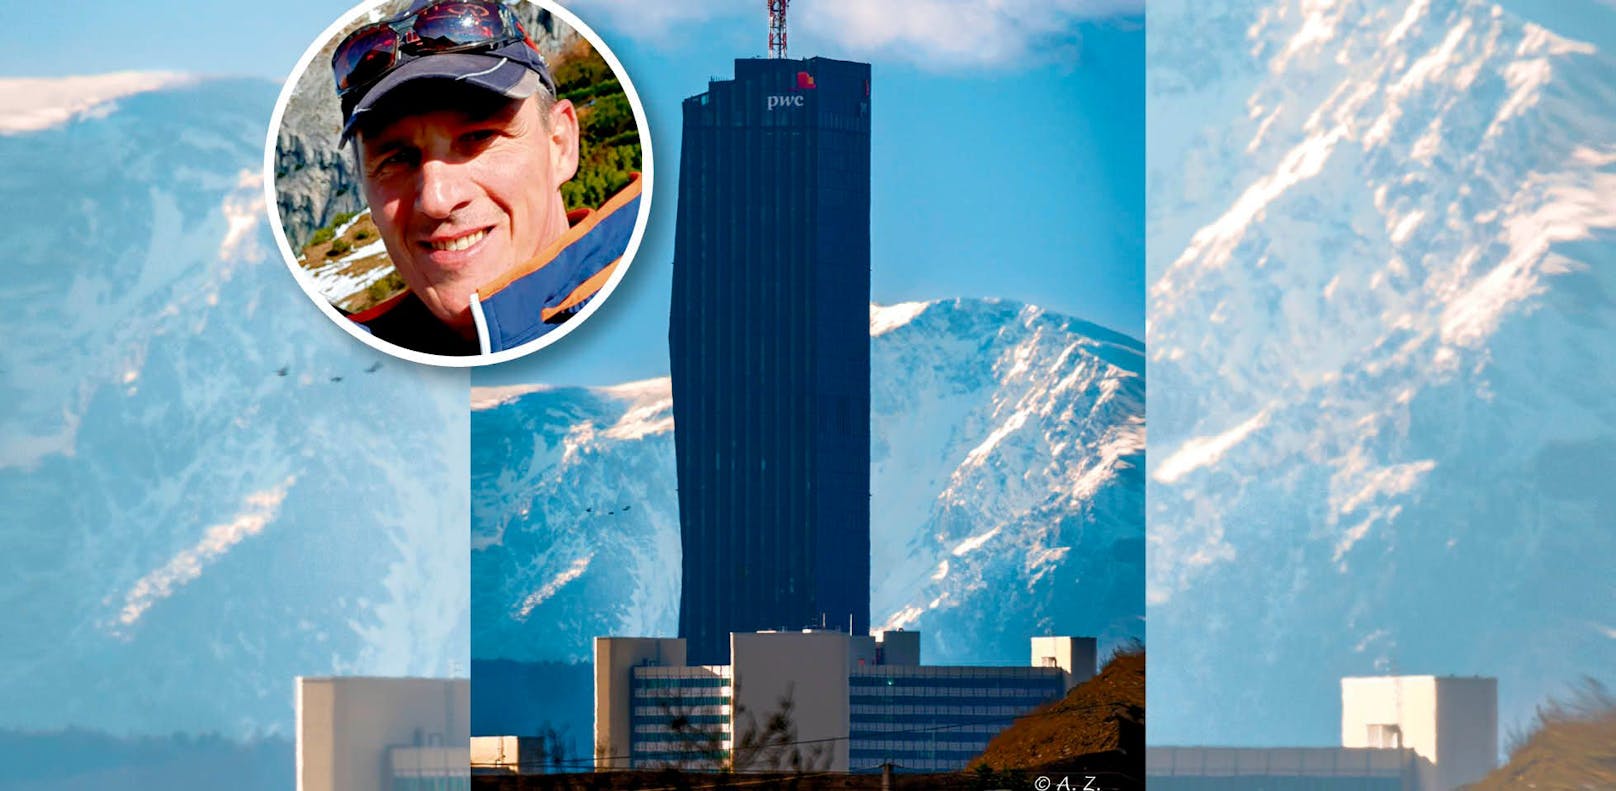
[{"x": 770, "y": 352}]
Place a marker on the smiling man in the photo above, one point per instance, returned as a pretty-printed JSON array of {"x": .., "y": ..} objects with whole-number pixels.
[{"x": 462, "y": 148}]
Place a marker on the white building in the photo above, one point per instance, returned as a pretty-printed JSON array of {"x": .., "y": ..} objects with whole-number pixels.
[
  {"x": 383, "y": 734},
  {"x": 816, "y": 700},
  {"x": 1450, "y": 722},
  {"x": 1398, "y": 733},
  {"x": 498, "y": 755}
]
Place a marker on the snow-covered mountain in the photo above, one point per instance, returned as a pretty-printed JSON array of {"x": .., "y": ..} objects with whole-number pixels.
[
  {"x": 1382, "y": 269},
  {"x": 207, "y": 489},
  {"x": 1007, "y": 484}
]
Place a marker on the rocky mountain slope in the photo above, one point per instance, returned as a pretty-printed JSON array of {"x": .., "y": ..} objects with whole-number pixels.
[
  {"x": 1006, "y": 493},
  {"x": 1381, "y": 270},
  {"x": 209, "y": 489}
]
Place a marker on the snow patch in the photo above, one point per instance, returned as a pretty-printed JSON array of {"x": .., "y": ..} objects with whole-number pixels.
[
  {"x": 643, "y": 420},
  {"x": 375, "y": 248},
  {"x": 981, "y": 452},
  {"x": 336, "y": 285},
  {"x": 1403, "y": 227},
  {"x": 1208, "y": 450},
  {"x": 34, "y": 104},
  {"x": 974, "y": 543},
  {"x": 343, "y": 229},
  {"x": 1214, "y": 244},
  {"x": 1548, "y": 210},
  {"x": 1411, "y": 15},
  {"x": 886, "y": 319},
  {"x": 261, "y": 508},
  {"x": 490, "y": 397},
  {"x": 1389, "y": 481},
  {"x": 901, "y": 619},
  {"x": 655, "y": 389},
  {"x": 243, "y": 210},
  {"x": 555, "y": 584},
  {"x": 1317, "y": 29}
]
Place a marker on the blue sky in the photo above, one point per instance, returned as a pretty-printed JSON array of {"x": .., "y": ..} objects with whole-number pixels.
[
  {"x": 1008, "y": 150},
  {"x": 993, "y": 176},
  {"x": 1008, "y": 147}
]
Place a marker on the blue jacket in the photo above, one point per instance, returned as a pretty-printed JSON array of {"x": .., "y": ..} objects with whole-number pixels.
[{"x": 528, "y": 300}]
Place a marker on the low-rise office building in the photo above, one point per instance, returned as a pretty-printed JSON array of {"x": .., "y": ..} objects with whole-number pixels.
[{"x": 819, "y": 700}]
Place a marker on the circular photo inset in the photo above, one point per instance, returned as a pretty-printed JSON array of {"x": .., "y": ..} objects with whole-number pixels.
[{"x": 458, "y": 182}]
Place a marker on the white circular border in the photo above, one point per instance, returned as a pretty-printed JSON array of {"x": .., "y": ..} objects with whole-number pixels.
[{"x": 310, "y": 288}]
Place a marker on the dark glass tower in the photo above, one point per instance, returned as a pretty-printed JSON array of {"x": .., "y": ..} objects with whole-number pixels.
[{"x": 770, "y": 351}]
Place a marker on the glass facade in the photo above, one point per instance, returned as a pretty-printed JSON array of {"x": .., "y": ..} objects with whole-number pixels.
[
  {"x": 680, "y": 717},
  {"x": 770, "y": 352},
  {"x": 920, "y": 718},
  {"x": 928, "y": 719}
]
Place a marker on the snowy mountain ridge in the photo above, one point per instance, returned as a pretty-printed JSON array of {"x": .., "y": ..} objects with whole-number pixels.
[
  {"x": 1384, "y": 251},
  {"x": 34, "y": 104},
  {"x": 210, "y": 489},
  {"x": 1006, "y": 464}
]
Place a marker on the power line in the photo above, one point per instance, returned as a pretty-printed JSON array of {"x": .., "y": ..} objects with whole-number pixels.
[{"x": 734, "y": 783}]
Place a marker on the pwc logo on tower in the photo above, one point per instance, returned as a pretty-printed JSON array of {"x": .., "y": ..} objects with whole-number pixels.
[{"x": 805, "y": 82}]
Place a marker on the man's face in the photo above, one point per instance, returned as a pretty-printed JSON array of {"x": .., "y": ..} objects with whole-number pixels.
[{"x": 461, "y": 195}]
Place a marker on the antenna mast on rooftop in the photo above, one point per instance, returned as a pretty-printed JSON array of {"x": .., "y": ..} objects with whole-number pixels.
[{"x": 777, "y": 28}]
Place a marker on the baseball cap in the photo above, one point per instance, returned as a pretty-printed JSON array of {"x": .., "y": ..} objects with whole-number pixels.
[{"x": 513, "y": 69}]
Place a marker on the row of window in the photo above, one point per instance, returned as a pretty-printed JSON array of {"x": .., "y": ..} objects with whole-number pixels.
[
  {"x": 906, "y": 753},
  {"x": 877, "y": 703},
  {"x": 693, "y": 739},
  {"x": 961, "y": 691},
  {"x": 900, "y": 694},
  {"x": 926, "y": 725},
  {"x": 922, "y": 738},
  {"x": 652, "y": 733},
  {"x": 682, "y": 704},
  {"x": 678, "y": 682},
  {"x": 934, "y": 717},
  {"x": 689, "y": 719},
  {"x": 687, "y": 738},
  {"x": 664, "y": 697},
  {"x": 662, "y": 712},
  {"x": 677, "y": 754},
  {"x": 643, "y": 690},
  {"x": 680, "y": 760},
  {"x": 963, "y": 677},
  {"x": 682, "y": 730}
]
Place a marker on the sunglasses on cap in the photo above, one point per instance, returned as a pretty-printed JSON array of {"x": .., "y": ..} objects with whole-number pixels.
[{"x": 370, "y": 52}]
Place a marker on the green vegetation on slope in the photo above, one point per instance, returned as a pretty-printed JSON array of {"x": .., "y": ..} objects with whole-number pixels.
[{"x": 609, "y": 143}]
